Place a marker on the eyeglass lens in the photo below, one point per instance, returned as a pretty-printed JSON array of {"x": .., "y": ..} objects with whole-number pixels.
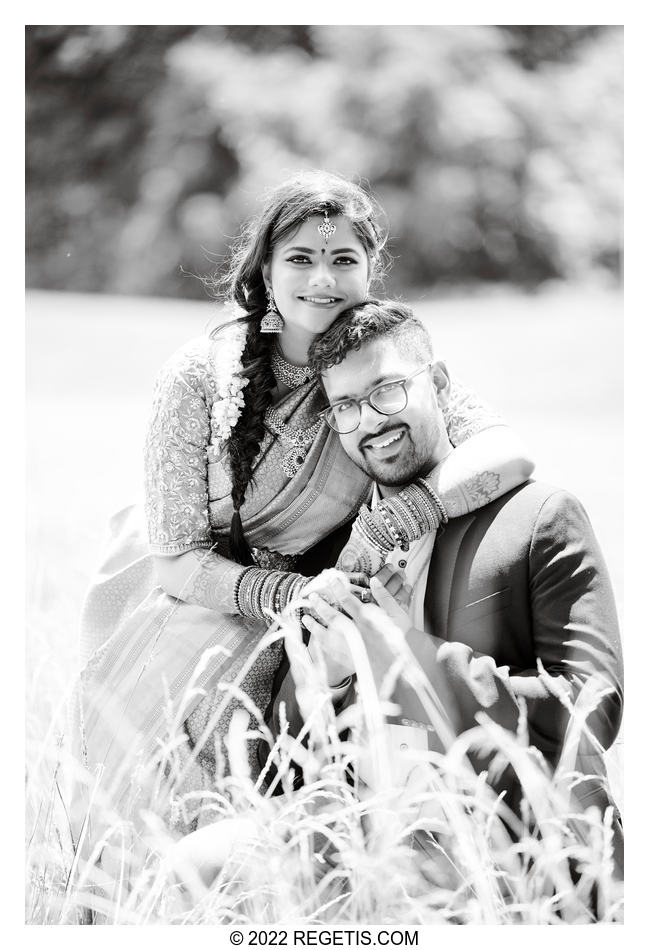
[{"x": 345, "y": 417}]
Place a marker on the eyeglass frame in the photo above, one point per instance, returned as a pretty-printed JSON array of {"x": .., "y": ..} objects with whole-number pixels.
[{"x": 368, "y": 399}]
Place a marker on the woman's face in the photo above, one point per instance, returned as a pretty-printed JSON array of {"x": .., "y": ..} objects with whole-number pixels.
[{"x": 314, "y": 280}]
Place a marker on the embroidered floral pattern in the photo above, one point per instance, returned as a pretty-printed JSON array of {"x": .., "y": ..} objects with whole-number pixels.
[
  {"x": 466, "y": 414},
  {"x": 183, "y": 424}
]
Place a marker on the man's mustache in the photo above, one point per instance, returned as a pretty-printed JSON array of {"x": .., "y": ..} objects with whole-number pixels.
[{"x": 384, "y": 431}]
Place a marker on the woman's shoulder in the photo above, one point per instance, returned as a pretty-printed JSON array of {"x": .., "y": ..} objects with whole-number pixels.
[{"x": 212, "y": 355}]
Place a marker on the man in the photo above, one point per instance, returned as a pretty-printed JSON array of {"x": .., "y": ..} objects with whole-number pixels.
[{"x": 518, "y": 583}]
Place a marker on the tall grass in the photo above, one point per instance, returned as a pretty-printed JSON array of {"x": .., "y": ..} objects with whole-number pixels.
[{"x": 441, "y": 848}]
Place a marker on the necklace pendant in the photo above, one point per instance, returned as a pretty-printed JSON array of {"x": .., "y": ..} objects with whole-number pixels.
[
  {"x": 285, "y": 372},
  {"x": 293, "y": 461}
]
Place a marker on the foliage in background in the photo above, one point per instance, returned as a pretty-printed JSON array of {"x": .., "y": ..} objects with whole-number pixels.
[{"x": 496, "y": 151}]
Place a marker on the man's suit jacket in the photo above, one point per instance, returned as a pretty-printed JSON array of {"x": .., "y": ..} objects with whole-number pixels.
[
  {"x": 518, "y": 581},
  {"x": 522, "y": 580}
]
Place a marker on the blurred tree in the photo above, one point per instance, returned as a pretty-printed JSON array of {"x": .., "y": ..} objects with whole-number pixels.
[
  {"x": 266, "y": 38},
  {"x": 496, "y": 151},
  {"x": 88, "y": 99},
  {"x": 534, "y": 45}
]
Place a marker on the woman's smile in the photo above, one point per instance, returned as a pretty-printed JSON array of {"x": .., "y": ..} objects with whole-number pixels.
[{"x": 320, "y": 301}]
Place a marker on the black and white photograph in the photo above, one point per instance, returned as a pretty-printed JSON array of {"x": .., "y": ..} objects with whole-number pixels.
[{"x": 324, "y": 477}]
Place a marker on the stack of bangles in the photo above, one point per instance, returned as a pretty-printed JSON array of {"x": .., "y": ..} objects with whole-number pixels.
[
  {"x": 258, "y": 590},
  {"x": 401, "y": 518},
  {"x": 395, "y": 522}
]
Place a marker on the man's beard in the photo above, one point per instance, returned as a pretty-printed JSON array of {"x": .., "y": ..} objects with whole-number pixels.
[{"x": 408, "y": 466}]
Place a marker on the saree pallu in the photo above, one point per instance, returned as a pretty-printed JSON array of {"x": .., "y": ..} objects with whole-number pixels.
[{"x": 149, "y": 659}]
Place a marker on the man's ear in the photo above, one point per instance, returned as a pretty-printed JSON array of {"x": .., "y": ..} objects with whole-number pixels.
[{"x": 442, "y": 382}]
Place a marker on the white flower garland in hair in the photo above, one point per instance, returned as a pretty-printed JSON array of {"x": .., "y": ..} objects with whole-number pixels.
[{"x": 227, "y": 350}]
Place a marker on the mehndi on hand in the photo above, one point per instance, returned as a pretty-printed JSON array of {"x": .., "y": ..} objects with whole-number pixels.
[{"x": 360, "y": 555}]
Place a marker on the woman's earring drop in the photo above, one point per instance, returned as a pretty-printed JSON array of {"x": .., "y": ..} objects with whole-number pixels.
[{"x": 272, "y": 321}]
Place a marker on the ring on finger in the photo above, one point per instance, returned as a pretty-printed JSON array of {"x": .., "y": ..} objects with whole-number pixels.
[{"x": 324, "y": 609}]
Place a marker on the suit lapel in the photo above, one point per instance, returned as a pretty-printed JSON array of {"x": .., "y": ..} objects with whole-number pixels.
[{"x": 441, "y": 575}]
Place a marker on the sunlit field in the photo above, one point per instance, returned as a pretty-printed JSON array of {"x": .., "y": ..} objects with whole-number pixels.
[{"x": 552, "y": 365}]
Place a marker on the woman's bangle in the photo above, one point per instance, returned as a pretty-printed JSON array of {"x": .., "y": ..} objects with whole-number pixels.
[
  {"x": 437, "y": 501},
  {"x": 239, "y": 605},
  {"x": 373, "y": 531},
  {"x": 258, "y": 591},
  {"x": 412, "y": 511},
  {"x": 401, "y": 518}
]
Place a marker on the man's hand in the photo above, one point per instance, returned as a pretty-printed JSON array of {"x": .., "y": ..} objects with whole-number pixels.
[
  {"x": 330, "y": 637},
  {"x": 333, "y": 627},
  {"x": 390, "y": 591}
]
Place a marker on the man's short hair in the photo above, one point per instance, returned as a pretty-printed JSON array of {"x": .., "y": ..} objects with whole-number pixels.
[{"x": 368, "y": 321}]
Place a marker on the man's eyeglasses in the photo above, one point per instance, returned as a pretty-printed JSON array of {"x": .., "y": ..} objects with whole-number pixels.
[{"x": 388, "y": 398}]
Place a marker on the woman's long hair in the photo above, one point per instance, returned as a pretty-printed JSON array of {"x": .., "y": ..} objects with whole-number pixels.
[{"x": 286, "y": 208}]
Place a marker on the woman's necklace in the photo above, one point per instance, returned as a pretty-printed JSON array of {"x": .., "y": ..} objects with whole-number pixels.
[
  {"x": 285, "y": 372},
  {"x": 301, "y": 439}
]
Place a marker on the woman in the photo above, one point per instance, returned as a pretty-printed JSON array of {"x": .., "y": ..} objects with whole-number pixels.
[{"x": 242, "y": 477}]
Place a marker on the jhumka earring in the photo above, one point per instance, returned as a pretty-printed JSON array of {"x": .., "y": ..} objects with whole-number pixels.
[
  {"x": 327, "y": 229},
  {"x": 272, "y": 321}
]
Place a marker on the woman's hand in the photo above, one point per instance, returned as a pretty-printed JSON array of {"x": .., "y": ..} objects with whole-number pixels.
[
  {"x": 334, "y": 585},
  {"x": 358, "y": 557}
]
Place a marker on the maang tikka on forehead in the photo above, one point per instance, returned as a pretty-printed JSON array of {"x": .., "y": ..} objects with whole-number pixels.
[{"x": 327, "y": 229}]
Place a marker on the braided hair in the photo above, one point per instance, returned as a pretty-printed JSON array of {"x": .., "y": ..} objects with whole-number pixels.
[{"x": 286, "y": 208}]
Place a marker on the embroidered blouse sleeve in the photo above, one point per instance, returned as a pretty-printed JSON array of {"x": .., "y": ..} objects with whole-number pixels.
[
  {"x": 178, "y": 435},
  {"x": 466, "y": 414}
]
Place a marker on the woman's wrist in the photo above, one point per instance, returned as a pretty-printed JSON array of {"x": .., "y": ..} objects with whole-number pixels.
[
  {"x": 371, "y": 529},
  {"x": 426, "y": 484},
  {"x": 259, "y": 591},
  {"x": 411, "y": 513}
]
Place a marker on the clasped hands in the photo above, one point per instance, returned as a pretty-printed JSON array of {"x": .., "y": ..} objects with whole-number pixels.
[{"x": 339, "y": 606}]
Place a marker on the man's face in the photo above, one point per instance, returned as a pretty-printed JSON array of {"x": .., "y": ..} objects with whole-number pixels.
[{"x": 396, "y": 449}]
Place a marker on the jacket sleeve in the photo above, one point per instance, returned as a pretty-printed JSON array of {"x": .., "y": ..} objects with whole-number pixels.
[{"x": 575, "y": 625}]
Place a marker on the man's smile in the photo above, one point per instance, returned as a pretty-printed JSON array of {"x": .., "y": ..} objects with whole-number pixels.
[{"x": 386, "y": 442}]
